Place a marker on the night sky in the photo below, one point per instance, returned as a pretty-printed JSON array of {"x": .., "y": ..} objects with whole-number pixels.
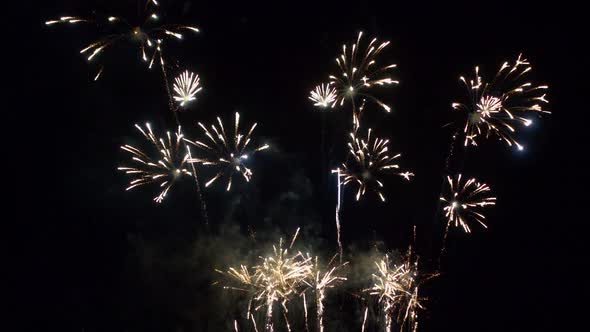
[{"x": 93, "y": 257}]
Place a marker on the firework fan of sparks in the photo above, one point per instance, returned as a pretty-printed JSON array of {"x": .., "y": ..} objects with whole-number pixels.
[
  {"x": 278, "y": 278},
  {"x": 359, "y": 73},
  {"x": 323, "y": 96},
  {"x": 324, "y": 279},
  {"x": 228, "y": 153},
  {"x": 396, "y": 287},
  {"x": 464, "y": 202},
  {"x": 164, "y": 169},
  {"x": 186, "y": 86},
  {"x": 496, "y": 107},
  {"x": 371, "y": 160},
  {"x": 146, "y": 33}
]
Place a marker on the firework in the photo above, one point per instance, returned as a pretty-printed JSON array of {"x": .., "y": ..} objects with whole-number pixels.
[
  {"x": 396, "y": 288},
  {"x": 464, "y": 202},
  {"x": 371, "y": 160},
  {"x": 359, "y": 73},
  {"x": 496, "y": 107},
  {"x": 228, "y": 153},
  {"x": 277, "y": 279},
  {"x": 145, "y": 33},
  {"x": 164, "y": 168},
  {"x": 323, "y": 280},
  {"x": 323, "y": 96},
  {"x": 186, "y": 86}
]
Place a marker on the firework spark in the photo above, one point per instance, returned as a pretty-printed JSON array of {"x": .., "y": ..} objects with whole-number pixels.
[
  {"x": 186, "y": 86},
  {"x": 396, "y": 288},
  {"x": 323, "y": 96},
  {"x": 359, "y": 73},
  {"x": 323, "y": 280},
  {"x": 464, "y": 202},
  {"x": 277, "y": 279},
  {"x": 164, "y": 169},
  {"x": 496, "y": 107},
  {"x": 145, "y": 33},
  {"x": 370, "y": 161},
  {"x": 228, "y": 154}
]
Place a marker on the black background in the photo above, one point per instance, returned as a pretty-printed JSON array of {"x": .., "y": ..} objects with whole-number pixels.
[{"x": 82, "y": 255}]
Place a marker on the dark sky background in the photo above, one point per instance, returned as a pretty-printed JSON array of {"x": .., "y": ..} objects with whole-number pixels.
[{"x": 96, "y": 258}]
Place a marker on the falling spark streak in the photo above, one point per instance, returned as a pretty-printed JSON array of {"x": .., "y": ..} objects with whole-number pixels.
[
  {"x": 370, "y": 160},
  {"x": 186, "y": 86},
  {"x": 359, "y": 73},
  {"x": 323, "y": 96},
  {"x": 496, "y": 107},
  {"x": 364, "y": 319},
  {"x": 337, "y": 215},
  {"x": 305, "y": 312},
  {"x": 228, "y": 154},
  {"x": 167, "y": 167},
  {"x": 143, "y": 34},
  {"x": 278, "y": 278},
  {"x": 464, "y": 202}
]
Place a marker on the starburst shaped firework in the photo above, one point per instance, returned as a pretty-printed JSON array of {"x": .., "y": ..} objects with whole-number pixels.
[
  {"x": 229, "y": 154},
  {"x": 186, "y": 86},
  {"x": 145, "y": 33},
  {"x": 164, "y": 167},
  {"x": 370, "y": 161},
  {"x": 464, "y": 202},
  {"x": 496, "y": 107},
  {"x": 360, "y": 73},
  {"x": 323, "y": 96}
]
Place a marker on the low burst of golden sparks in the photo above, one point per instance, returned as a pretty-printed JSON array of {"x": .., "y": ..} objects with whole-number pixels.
[
  {"x": 229, "y": 154},
  {"x": 164, "y": 168},
  {"x": 186, "y": 86},
  {"x": 496, "y": 107},
  {"x": 464, "y": 202},
  {"x": 396, "y": 287},
  {"x": 323, "y": 96},
  {"x": 324, "y": 279},
  {"x": 370, "y": 160},
  {"x": 277, "y": 279},
  {"x": 360, "y": 72},
  {"x": 146, "y": 33}
]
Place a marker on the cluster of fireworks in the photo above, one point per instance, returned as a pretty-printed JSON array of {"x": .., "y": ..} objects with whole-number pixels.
[
  {"x": 282, "y": 278},
  {"x": 493, "y": 108}
]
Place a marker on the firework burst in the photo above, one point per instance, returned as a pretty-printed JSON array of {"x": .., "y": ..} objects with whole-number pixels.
[
  {"x": 371, "y": 160},
  {"x": 324, "y": 279},
  {"x": 496, "y": 107},
  {"x": 186, "y": 86},
  {"x": 464, "y": 202},
  {"x": 228, "y": 153},
  {"x": 396, "y": 288},
  {"x": 323, "y": 96},
  {"x": 359, "y": 73},
  {"x": 145, "y": 33},
  {"x": 165, "y": 168},
  {"x": 277, "y": 279}
]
